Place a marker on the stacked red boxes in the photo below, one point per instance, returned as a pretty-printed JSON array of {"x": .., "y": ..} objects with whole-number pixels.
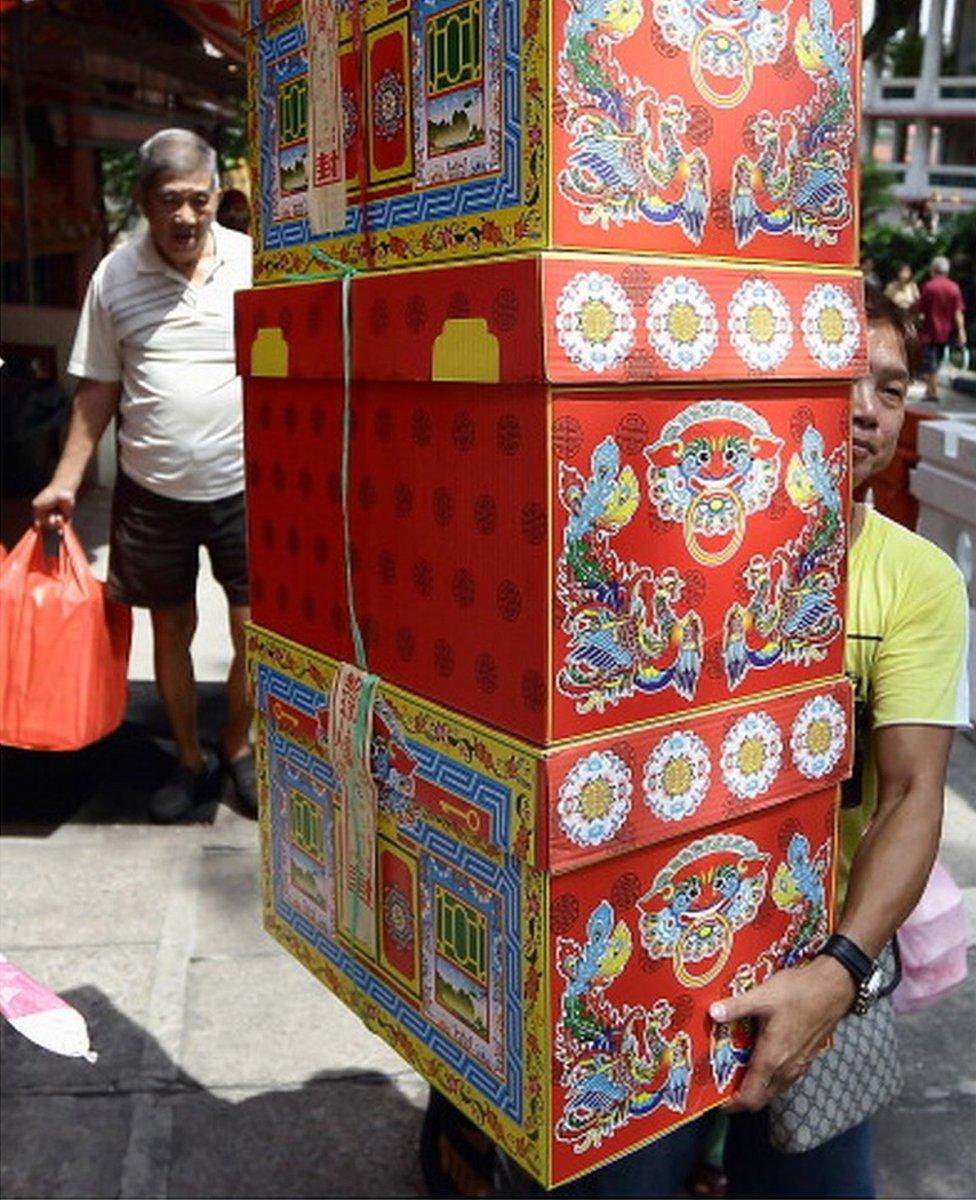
[{"x": 588, "y": 512}]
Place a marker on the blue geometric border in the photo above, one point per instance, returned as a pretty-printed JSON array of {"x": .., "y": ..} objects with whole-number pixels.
[
  {"x": 440, "y": 203},
  {"x": 489, "y": 796},
  {"x": 503, "y": 879}
]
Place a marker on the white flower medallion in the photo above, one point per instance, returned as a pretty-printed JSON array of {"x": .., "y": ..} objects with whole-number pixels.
[
  {"x": 594, "y": 798},
  {"x": 760, "y": 326},
  {"x": 830, "y": 325},
  {"x": 682, "y": 323},
  {"x": 818, "y": 737},
  {"x": 752, "y": 753},
  {"x": 676, "y": 775},
  {"x": 595, "y": 322}
]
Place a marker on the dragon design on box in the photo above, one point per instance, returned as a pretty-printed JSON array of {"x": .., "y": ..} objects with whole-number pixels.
[
  {"x": 798, "y": 889},
  {"x": 798, "y": 180},
  {"x": 791, "y": 615},
  {"x": 627, "y": 159},
  {"x": 617, "y": 1063},
  {"x": 625, "y": 632}
]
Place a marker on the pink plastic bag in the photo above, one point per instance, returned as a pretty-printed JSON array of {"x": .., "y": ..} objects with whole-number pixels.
[
  {"x": 932, "y": 944},
  {"x": 64, "y": 648}
]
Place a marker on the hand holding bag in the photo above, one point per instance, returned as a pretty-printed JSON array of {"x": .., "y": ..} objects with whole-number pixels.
[
  {"x": 845, "y": 1084},
  {"x": 64, "y": 647}
]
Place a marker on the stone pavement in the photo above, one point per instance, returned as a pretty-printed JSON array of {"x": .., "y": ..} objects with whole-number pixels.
[{"x": 225, "y": 1069}]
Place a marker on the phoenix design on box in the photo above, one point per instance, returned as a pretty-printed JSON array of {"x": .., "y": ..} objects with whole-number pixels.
[
  {"x": 617, "y": 1063},
  {"x": 625, "y": 632}
]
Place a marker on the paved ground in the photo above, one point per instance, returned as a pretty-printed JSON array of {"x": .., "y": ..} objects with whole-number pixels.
[{"x": 225, "y": 1070}]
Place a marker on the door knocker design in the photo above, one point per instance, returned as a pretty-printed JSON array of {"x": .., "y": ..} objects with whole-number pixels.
[
  {"x": 723, "y": 45},
  {"x": 714, "y": 464},
  {"x": 698, "y": 902}
]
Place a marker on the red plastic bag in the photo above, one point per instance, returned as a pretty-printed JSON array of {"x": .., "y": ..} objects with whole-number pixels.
[{"x": 64, "y": 648}]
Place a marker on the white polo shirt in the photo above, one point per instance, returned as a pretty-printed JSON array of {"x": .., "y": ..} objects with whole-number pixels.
[{"x": 170, "y": 343}]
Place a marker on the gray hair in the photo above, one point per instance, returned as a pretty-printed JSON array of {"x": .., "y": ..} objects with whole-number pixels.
[
  {"x": 940, "y": 265},
  {"x": 175, "y": 152}
]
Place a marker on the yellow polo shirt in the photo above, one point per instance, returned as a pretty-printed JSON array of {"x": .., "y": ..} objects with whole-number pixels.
[{"x": 907, "y": 631}]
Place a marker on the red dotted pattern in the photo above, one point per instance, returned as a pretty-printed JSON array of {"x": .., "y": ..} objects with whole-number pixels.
[{"x": 448, "y": 551}]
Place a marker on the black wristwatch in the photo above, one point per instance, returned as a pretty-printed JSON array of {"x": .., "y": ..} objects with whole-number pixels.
[{"x": 865, "y": 972}]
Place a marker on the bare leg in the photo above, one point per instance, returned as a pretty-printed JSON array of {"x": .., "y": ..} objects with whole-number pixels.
[
  {"x": 932, "y": 385},
  {"x": 173, "y": 630},
  {"x": 240, "y": 714}
]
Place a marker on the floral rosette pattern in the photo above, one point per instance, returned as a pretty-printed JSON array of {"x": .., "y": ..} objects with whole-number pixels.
[
  {"x": 594, "y": 799},
  {"x": 818, "y": 737},
  {"x": 677, "y": 775},
  {"x": 389, "y": 104},
  {"x": 682, "y": 323},
  {"x": 752, "y": 753},
  {"x": 398, "y": 917},
  {"x": 830, "y": 326},
  {"x": 595, "y": 322},
  {"x": 760, "y": 326}
]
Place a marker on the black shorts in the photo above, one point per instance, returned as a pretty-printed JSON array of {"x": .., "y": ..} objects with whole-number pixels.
[
  {"x": 932, "y": 356},
  {"x": 155, "y": 546}
]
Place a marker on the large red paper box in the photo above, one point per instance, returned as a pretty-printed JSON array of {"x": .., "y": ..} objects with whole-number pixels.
[
  {"x": 540, "y": 934},
  {"x": 479, "y": 127},
  {"x": 551, "y": 560}
]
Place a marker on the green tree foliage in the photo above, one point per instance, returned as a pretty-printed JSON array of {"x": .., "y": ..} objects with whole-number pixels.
[
  {"x": 877, "y": 196},
  {"x": 891, "y": 245}
]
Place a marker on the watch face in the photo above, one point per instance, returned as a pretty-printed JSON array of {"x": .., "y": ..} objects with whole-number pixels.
[{"x": 869, "y": 991}]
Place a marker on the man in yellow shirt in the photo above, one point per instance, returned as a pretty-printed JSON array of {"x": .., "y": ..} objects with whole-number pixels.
[{"x": 907, "y": 625}]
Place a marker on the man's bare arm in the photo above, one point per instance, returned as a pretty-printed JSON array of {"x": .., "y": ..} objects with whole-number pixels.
[
  {"x": 961, "y": 326},
  {"x": 798, "y": 1008},
  {"x": 95, "y": 404}
]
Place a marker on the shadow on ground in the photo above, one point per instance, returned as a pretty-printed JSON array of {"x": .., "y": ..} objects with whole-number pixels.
[
  {"x": 108, "y": 783},
  {"x": 68, "y": 1126}
]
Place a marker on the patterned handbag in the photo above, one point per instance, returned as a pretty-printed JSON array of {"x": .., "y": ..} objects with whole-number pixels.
[{"x": 860, "y": 1073}]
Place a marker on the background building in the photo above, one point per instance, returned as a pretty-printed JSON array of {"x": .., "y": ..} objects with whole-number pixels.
[{"x": 920, "y": 109}]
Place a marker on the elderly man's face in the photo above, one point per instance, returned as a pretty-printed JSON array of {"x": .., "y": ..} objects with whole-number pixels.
[
  {"x": 180, "y": 209},
  {"x": 878, "y": 402}
]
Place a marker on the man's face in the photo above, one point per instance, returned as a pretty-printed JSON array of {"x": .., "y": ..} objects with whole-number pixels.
[
  {"x": 878, "y": 403},
  {"x": 180, "y": 209}
]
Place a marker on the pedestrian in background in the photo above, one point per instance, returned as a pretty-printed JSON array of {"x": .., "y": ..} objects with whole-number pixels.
[
  {"x": 234, "y": 210},
  {"x": 155, "y": 349},
  {"x": 943, "y": 317},
  {"x": 903, "y": 290}
]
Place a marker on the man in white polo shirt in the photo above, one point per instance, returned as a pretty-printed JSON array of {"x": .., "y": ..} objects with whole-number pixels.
[{"x": 155, "y": 348}]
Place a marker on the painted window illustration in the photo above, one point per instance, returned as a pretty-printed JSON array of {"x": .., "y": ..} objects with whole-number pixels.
[
  {"x": 306, "y": 825},
  {"x": 455, "y": 116},
  {"x": 462, "y": 948},
  {"x": 293, "y": 135},
  {"x": 460, "y": 975},
  {"x": 457, "y": 90}
]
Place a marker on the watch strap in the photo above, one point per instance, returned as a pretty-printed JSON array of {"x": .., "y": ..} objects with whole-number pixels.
[{"x": 850, "y": 956}]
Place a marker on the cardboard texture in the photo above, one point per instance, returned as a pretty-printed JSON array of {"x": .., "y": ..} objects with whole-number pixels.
[
  {"x": 555, "y": 563},
  {"x": 565, "y": 318},
  {"x": 556, "y": 990},
  {"x": 480, "y": 127}
]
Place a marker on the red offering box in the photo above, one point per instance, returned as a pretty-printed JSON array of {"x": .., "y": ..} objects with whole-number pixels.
[
  {"x": 473, "y": 128},
  {"x": 550, "y": 560},
  {"x": 540, "y": 933}
]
